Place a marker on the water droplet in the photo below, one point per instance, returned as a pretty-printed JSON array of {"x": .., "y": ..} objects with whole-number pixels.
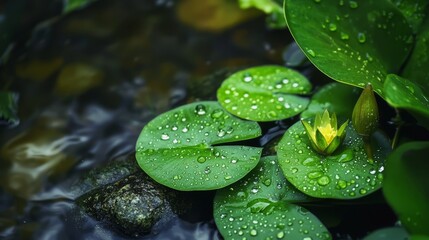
[
  {"x": 353, "y": 4},
  {"x": 332, "y": 27},
  {"x": 309, "y": 162},
  {"x": 201, "y": 159},
  {"x": 323, "y": 181},
  {"x": 217, "y": 113},
  {"x": 254, "y": 107},
  {"x": 242, "y": 194},
  {"x": 346, "y": 156},
  {"x": 165, "y": 137},
  {"x": 234, "y": 161},
  {"x": 314, "y": 175},
  {"x": 247, "y": 78},
  {"x": 272, "y": 114},
  {"x": 294, "y": 170},
  {"x": 253, "y": 232},
  {"x": 362, "y": 191},
  {"x": 344, "y": 36},
  {"x": 361, "y": 37},
  {"x": 342, "y": 184},
  {"x": 281, "y": 234},
  {"x": 227, "y": 177},
  {"x": 267, "y": 182},
  {"x": 221, "y": 133},
  {"x": 200, "y": 109},
  {"x": 311, "y": 52},
  {"x": 185, "y": 129},
  {"x": 207, "y": 170}
]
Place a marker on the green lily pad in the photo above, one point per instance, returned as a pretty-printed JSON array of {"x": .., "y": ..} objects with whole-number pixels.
[
  {"x": 335, "y": 97},
  {"x": 177, "y": 148},
  {"x": 264, "y": 93},
  {"x": 406, "y": 186},
  {"x": 413, "y": 10},
  {"x": 8, "y": 108},
  {"x": 345, "y": 174},
  {"x": 391, "y": 233},
  {"x": 260, "y": 207},
  {"x": 402, "y": 93},
  {"x": 354, "y": 42}
]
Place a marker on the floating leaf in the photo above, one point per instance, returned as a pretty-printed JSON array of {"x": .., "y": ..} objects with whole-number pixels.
[
  {"x": 402, "y": 93},
  {"x": 8, "y": 108},
  {"x": 391, "y": 233},
  {"x": 345, "y": 174},
  {"x": 264, "y": 93},
  {"x": 406, "y": 185},
  {"x": 259, "y": 207},
  {"x": 177, "y": 148},
  {"x": 355, "y": 42},
  {"x": 336, "y": 97}
]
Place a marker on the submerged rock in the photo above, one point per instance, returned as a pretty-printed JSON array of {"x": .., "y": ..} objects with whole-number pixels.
[{"x": 135, "y": 204}]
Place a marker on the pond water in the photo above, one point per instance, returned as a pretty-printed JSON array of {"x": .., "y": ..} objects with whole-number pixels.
[{"x": 88, "y": 82}]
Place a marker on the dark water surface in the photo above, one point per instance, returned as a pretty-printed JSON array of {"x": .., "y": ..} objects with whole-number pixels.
[{"x": 88, "y": 82}]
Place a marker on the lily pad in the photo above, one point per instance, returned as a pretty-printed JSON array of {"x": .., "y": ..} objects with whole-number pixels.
[
  {"x": 335, "y": 97},
  {"x": 346, "y": 174},
  {"x": 354, "y": 42},
  {"x": 264, "y": 93},
  {"x": 177, "y": 148},
  {"x": 8, "y": 108},
  {"x": 260, "y": 207},
  {"x": 406, "y": 186},
  {"x": 402, "y": 93}
]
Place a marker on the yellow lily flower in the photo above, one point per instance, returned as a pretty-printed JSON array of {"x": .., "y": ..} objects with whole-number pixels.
[{"x": 324, "y": 136}]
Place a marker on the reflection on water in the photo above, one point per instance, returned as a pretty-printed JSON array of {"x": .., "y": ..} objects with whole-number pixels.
[{"x": 88, "y": 82}]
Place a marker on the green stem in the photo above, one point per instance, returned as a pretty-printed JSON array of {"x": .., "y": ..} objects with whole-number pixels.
[
  {"x": 368, "y": 148},
  {"x": 398, "y": 122}
]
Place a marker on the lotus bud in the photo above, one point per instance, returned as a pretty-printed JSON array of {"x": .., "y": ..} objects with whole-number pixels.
[
  {"x": 365, "y": 113},
  {"x": 324, "y": 136}
]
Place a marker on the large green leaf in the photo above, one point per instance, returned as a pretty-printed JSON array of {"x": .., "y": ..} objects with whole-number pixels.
[
  {"x": 402, "y": 93},
  {"x": 259, "y": 207},
  {"x": 264, "y": 93},
  {"x": 414, "y": 10},
  {"x": 355, "y": 42},
  {"x": 177, "y": 148},
  {"x": 346, "y": 174},
  {"x": 417, "y": 65},
  {"x": 406, "y": 185}
]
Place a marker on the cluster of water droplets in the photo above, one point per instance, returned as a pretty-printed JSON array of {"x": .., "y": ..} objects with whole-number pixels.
[{"x": 260, "y": 96}]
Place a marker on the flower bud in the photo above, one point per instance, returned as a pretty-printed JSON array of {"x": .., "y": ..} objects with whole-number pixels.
[{"x": 365, "y": 113}]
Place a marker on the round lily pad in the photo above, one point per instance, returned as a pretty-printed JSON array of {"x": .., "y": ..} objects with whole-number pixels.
[
  {"x": 346, "y": 174},
  {"x": 178, "y": 148},
  {"x": 260, "y": 207},
  {"x": 264, "y": 93}
]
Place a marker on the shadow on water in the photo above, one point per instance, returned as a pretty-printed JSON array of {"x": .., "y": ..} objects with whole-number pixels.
[{"x": 88, "y": 82}]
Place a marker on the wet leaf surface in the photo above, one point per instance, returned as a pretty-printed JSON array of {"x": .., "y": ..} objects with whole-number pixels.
[
  {"x": 260, "y": 206},
  {"x": 351, "y": 41},
  {"x": 406, "y": 186},
  {"x": 264, "y": 93},
  {"x": 346, "y": 174},
  {"x": 391, "y": 233},
  {"x": 178, "y": 148},
  {"x": 413, "y": 10},
  {"x": 402, "y": 93}
]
